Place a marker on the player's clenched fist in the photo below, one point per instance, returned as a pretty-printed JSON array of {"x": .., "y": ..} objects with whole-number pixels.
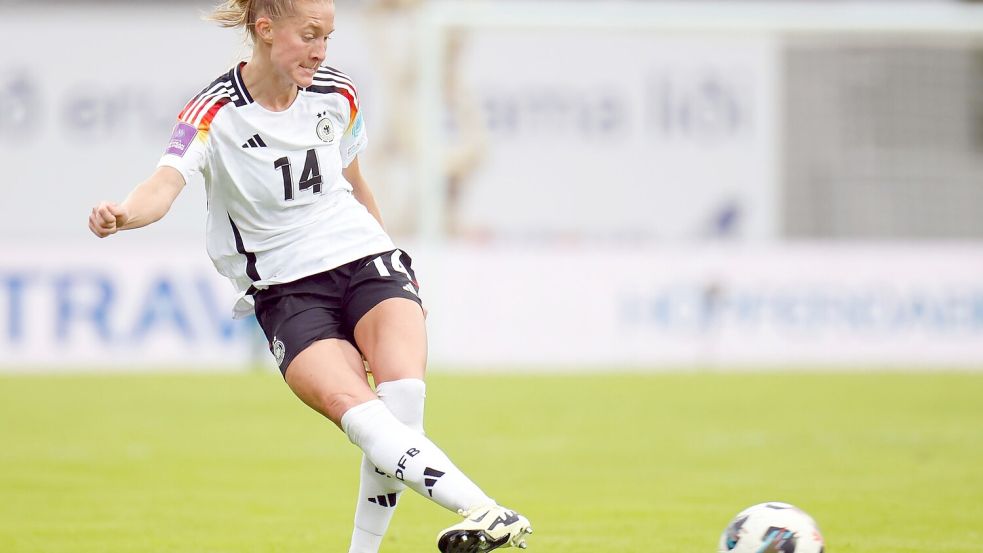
[{"x": 107, "y": 218}]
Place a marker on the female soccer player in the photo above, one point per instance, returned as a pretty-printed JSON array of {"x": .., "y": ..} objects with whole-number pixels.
[{"x": 294, "y": 225}]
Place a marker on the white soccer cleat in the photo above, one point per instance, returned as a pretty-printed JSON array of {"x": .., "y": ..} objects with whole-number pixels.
[{"x": 483, "y": 529}]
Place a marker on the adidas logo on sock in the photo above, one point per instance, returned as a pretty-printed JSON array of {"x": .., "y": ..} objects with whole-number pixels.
[
  {"x": 431, "y": 477},
  {"x": 255, "y": 142},
  {"x": 385, "y": 500}
]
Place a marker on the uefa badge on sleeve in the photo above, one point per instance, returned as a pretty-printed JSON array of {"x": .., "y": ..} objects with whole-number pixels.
[
  {"x": 181, "y": 139},
  {"x": 325, "y": 130}
]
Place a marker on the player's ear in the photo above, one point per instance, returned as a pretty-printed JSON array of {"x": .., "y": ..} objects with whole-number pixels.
[{"x": 264, "y": 29}]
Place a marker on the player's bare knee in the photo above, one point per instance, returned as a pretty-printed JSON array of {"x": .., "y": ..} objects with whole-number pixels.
[{"x": 336, "y": 405}]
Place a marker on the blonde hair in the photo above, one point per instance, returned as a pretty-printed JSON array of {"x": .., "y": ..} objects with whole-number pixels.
[{"x": 243, "y": 13}]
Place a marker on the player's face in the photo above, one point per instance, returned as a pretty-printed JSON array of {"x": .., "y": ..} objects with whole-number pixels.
[{"x": 300, "y": 41}]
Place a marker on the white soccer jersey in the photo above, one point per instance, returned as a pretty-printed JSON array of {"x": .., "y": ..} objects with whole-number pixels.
[{"x": 279, "y": 208}]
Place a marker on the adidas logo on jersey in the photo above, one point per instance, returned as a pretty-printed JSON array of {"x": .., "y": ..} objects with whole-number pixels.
[{"x": 255, "y": 142}]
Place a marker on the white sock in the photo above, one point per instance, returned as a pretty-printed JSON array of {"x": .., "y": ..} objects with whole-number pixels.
[
  {"x": 410, "y": 457},
  {"x": 404, "y": 399},
  {"x": 377, "y": 491}
]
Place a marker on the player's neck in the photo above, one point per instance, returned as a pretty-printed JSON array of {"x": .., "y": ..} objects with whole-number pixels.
[{"x": 267, "y": 88}]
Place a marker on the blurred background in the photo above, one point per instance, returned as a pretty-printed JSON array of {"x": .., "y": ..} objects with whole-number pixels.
[{"x": 583, "y": 185}]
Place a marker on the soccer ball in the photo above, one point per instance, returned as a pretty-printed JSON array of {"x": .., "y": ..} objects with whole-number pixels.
[{"x": 771, "y": 527}]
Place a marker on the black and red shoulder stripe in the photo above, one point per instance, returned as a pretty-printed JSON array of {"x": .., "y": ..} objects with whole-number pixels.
[
  {"x": 328, "y": 80},
  {"x": 227, "y": 89}
]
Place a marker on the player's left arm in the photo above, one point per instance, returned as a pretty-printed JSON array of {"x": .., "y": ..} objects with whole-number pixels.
[{"x": 361, "y": 189}]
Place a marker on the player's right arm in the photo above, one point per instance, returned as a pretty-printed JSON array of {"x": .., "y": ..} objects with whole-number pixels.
[{"x": 146, "y": 204}]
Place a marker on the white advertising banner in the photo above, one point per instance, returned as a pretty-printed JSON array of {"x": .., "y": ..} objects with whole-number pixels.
[
  {"x": 119, "y": 304},
  {"x": 786, "y": 307},
  {"x": 129, "y": 304}
]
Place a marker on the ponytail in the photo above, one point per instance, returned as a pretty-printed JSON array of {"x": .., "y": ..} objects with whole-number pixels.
[
  {"x": 243, "y": 13},
  {"x": 232, "y": 13}
]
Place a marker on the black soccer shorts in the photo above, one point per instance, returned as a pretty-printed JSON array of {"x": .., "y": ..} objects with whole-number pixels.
[{"x": 296, "y": 314}]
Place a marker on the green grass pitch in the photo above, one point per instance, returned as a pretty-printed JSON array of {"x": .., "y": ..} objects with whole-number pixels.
[{"x": 617, "y": 463}]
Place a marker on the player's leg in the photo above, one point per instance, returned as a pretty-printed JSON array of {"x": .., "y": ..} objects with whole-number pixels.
[
  {"x": 401, "y": 388},
  {"x": 399, "y": 385},
  {"x": 383, "y": 312},
  {"x": 392, "y": 336},
  {"x": 378, "y": 493},
  {"x": 303, "y": 323},
  {"x": 329, "y": 377},
  {"x": 304, "y": 317}
]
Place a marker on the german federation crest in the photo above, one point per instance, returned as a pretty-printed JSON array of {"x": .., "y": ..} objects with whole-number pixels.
[
  {"x": 279, "y": 350},
  {"x": 325, "y": 129}
]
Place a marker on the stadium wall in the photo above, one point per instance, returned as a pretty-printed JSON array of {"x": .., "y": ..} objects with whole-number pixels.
[
  {"x": 573, "y": 208},
  {"x": 681, "y": 138}
]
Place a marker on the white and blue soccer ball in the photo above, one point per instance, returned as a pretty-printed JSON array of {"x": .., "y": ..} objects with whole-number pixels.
[{"x": 771, "y": 527}]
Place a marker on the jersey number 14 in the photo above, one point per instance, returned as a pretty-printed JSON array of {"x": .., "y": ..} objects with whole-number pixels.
[{"x": 310, "y": 177}]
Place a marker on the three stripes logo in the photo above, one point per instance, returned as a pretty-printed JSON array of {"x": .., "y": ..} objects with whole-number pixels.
[
  {"x": 430, "y": 479},
  {"x": 255, "y": 142},
  {"x": 506, "y": 518},
  {"x": 388, "y": 500}
]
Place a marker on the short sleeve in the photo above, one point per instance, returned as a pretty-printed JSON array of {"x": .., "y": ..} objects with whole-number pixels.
[
  {"x": 187, "y": 151},
  {"x": 354, "y": 140}
]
